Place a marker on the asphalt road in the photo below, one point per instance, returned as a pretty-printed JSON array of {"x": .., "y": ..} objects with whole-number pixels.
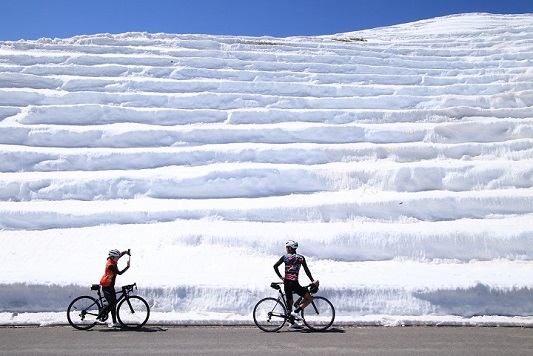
[{"x": 154, "y": 340}]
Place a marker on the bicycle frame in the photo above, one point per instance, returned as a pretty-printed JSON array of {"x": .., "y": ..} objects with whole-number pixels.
[
  {"x": 121, "y": 294},
  {"x": 283, "y": 298},
  {"x": 85, "y": 311},
  {"x": 270, "y": 314}
]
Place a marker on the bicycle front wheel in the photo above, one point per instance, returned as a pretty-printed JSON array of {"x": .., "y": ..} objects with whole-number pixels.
[
  {"x": 319, "y": 315},
  {"x": 269, "y": 314},
  {"x": 82, "y": 312},
  {"x": 133, "y": 312}
]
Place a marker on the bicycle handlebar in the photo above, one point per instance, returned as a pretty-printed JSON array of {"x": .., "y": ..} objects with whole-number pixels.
[{"x": 129, "y": 288}]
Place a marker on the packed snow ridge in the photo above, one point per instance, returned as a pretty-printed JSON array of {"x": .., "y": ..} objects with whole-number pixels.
[{"x": 400, "y": 158}]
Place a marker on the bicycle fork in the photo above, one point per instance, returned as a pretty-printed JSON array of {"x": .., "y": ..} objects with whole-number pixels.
[
  {"x": 314, "y": 307},
  {"x": 129, "y": 305}
]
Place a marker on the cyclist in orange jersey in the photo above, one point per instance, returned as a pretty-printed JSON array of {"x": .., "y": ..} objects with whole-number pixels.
[{"x": 108, "y": 282}]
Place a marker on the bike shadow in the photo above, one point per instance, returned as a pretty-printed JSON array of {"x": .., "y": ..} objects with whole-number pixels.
[
  {"x": 309, "y": 331},
  {"x": 144, "y": 329}
]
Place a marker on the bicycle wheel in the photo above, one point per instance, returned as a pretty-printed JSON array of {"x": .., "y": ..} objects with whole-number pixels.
[
  {"x": 319, "y": 315},
  {"x": 82, "y": 312},
  {"x": 269, "y": 314},
  {"x": 133, "y": 312}
]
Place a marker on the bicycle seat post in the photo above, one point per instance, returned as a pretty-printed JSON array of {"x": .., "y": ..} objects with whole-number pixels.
[{"x": 282, "y": 297}]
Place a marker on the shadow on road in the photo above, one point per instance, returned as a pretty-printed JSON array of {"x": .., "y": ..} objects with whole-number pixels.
[
  {"x": 151, "y": 329},
  {"x": 328, "y": 331}
]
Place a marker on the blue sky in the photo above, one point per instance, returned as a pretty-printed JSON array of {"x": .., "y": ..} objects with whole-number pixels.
[{"x": 32, "y": 19}]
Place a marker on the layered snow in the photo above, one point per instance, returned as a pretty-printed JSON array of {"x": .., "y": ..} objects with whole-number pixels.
[{"x": 400, "y": 158}]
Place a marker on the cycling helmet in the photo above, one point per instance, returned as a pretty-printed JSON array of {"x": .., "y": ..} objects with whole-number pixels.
[
  {"x": 292, "y": 244},
  {"x": 114, "y": 253}
]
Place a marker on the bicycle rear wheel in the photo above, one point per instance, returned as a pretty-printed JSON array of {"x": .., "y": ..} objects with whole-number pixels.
[
  {"x": 269, "y": 314},
  {"x": 82, "y": 312},
  {"x": 133, "y": 312},
  {"x": 319, "y": 315}
]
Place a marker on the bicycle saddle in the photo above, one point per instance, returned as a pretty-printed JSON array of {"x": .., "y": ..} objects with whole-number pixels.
[{"x": 274, "y": 285}]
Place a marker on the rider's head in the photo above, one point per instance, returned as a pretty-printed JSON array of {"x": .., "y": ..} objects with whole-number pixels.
[
  {"x": 291, "y": 246},
  {"x": 114, "y": 254}
]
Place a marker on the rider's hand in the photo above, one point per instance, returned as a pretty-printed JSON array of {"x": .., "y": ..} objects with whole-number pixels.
[{"x": 317, "y": 282}]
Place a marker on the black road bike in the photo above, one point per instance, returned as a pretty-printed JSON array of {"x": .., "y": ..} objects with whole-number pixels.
[
  {"x": 270, "y": 314},
  {"x": 132, "y": 311}
]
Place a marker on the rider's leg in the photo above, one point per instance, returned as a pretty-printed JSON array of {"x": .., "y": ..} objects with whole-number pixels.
[
  {"x": 111, "y": 297},
  {"x": 288, "y": 296},
  {"x": 293, "y": 319},
  {"x": 290, "y": 302},
  {"x": 307, "y": 300}
]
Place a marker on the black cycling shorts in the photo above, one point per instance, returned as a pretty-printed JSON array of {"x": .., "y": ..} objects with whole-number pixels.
[{"x": 294, "y": 287}]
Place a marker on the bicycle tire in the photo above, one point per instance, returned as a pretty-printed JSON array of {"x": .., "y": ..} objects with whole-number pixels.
[
  {"x": 133, "y": 312},
  {"x": 269, "y": 314},
  {"x": 82, "y": 312},
  {"x": 319, "y": 315}
]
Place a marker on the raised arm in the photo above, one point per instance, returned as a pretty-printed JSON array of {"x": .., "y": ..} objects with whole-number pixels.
[{"x": 115, "y": 269}]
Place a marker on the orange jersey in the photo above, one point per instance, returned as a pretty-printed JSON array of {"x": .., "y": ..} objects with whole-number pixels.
[{"x": 109, "y": 276}]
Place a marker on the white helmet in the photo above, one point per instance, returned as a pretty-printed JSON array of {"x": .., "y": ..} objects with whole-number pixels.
[
  {"x": 292, "y": 244},
  {"x": 114, "y": 253}
]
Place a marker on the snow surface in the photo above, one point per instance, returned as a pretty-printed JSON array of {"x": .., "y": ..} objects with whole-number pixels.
[{"x": 400, "y": 158}]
